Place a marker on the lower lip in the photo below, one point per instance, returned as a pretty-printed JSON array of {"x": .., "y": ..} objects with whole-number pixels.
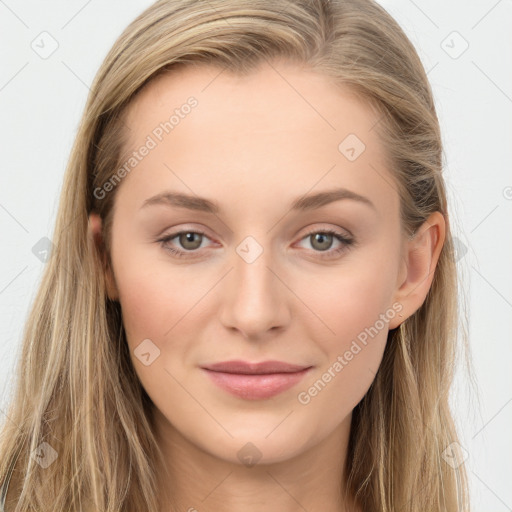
[{"x": 256, "y": 387}]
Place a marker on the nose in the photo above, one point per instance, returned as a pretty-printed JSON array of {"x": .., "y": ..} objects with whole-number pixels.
[{"x": 254, "y": 298}]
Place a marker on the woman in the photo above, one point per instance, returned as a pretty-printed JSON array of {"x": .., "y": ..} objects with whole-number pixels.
[{"x": 300, "y": 355}]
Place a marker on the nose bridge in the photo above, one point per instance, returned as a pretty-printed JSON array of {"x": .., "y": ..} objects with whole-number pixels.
[{"x": 253, "y": 299}]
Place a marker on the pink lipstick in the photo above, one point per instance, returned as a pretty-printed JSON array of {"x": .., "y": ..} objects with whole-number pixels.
[{"x": 255, "y": 381}]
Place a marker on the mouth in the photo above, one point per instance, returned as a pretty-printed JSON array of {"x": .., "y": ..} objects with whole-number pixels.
[{"x": 255, "y": 381}]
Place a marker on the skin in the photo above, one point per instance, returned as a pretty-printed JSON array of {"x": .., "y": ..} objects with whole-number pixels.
[{"x": 254, "y": 144}]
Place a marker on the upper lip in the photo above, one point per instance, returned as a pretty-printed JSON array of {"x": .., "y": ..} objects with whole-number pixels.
[{"x": 247, "y": 368}]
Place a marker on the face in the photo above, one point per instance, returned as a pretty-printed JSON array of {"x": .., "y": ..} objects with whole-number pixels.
[{"x": 221, "y": 252}]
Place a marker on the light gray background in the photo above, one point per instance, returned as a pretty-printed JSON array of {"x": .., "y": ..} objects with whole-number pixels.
[{"x": 41, "y": 100}]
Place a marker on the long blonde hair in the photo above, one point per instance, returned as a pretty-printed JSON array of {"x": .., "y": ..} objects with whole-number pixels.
[{"x": 77, "y": 392}]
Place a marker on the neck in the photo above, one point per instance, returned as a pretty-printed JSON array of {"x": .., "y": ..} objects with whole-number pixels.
[{"x": 194, "y": 480}]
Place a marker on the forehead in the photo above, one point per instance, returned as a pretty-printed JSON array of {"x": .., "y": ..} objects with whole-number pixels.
[
  {"x": 281, "y": 127},
  {"x": 296, "y": 98}
]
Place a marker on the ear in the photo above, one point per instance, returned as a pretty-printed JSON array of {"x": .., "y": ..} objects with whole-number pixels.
[
  {"x": 95, "y": 231},
  {"x": 421, "y": 254}
]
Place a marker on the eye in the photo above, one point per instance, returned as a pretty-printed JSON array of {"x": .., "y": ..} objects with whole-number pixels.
[
  {"x": 322, "y": 242},
  {"x": 191, "y": 241}
]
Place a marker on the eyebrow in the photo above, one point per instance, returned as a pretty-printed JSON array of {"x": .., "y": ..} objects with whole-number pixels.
[{"x": 304, "y": 203}]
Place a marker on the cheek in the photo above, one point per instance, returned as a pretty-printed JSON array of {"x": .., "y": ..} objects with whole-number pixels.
[
  {"x": 352, "y": 298},
  {"x": 155, "y": 295},
  {"x": 350, "y": 365},
  {"x": 355, "y": 305},
  {"x": 162, "y": 305},
  {"x": 154, "y": 308}
]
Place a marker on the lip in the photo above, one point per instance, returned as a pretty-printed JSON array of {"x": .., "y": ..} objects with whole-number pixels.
[{"x": 255, "y": 381}]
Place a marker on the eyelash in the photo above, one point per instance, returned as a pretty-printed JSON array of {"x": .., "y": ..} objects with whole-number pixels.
[{"x": 346, "y": 243}]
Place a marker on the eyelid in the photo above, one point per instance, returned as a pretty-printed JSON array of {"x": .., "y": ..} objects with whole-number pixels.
[
  {"x": 184, "y": 228},
  {"x": 344, "y": 232}
]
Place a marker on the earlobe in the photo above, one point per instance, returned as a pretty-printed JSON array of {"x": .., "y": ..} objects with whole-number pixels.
[
  {"x": 420, "y": 260},
  {"x": 95, "y": 231}
]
